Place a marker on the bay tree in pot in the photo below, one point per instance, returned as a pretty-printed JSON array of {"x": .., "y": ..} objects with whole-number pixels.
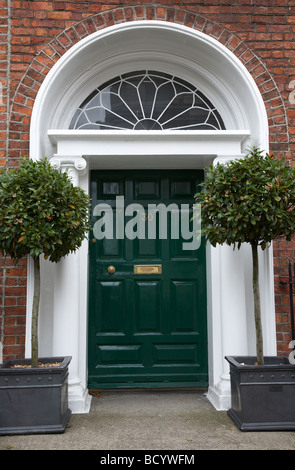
[
  {"x": 252, "y": 200},
  {"x": 41, "y": 214}
]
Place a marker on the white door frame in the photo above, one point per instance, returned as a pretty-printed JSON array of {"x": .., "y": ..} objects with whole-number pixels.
[{"x": 199, "y": 59}]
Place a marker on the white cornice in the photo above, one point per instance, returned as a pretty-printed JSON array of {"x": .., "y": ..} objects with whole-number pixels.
[
  {"x": 148, "y": 149},
  {"x": 93, "y": 142}
]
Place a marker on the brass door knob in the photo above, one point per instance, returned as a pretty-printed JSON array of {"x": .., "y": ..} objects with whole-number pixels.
[{"x": 111, "y": 269}]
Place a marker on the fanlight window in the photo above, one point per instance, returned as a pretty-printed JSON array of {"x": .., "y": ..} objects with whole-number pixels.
[{"x": 147, "y": 100}]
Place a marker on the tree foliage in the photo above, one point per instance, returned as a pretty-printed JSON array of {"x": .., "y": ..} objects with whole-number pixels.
[
  {"x": 41, "y": 212},
  {"x": 250, "y": 200}
]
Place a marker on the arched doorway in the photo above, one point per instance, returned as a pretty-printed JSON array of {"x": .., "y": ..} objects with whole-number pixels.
[{"x": 201, "y": 61}]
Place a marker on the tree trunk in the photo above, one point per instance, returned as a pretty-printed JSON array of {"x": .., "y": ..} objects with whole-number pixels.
[
  {"x": 35, "y": 312},
  {"x": 257, "y": 308}
]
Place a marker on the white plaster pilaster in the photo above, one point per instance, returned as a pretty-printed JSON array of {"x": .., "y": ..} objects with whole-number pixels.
[
  {"x": 66, "y": 320},
  {"x": 234, "y": 313},
  {"x": 228, "y": 311}
]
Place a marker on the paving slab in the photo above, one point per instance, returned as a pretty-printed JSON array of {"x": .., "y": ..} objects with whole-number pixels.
[{"x": 152, "y": 421}]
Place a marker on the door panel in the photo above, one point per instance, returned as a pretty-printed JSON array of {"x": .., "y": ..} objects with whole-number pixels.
[{"x": 146, "y": 329}]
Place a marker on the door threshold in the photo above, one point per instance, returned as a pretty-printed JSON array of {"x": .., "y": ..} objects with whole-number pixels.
[{"x": 94, "y": 391}]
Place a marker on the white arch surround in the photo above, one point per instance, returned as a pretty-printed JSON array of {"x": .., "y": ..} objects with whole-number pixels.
[
  {"x": 155, "y": 45},
  {"x": 200, "y": 60}
]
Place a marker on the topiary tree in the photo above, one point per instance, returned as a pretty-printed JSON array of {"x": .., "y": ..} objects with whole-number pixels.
[
  {"x": 41, "y": 212},
  {"x": 249, "y": 200}
]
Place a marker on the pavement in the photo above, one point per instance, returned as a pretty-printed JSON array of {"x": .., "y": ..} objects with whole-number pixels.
[{"x": 183, "y": 421}]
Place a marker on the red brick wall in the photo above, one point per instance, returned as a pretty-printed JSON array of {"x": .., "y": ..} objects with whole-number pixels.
[{"x": 34, "y": 35}]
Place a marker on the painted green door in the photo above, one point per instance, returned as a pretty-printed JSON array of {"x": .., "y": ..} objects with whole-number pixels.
[{"x": 147, "y": 296}]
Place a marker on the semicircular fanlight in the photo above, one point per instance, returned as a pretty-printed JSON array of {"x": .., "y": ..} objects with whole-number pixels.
[{"x": 147, "y": 100}]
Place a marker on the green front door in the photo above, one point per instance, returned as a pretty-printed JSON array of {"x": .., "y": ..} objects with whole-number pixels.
[{"x": 147, "y": 296}]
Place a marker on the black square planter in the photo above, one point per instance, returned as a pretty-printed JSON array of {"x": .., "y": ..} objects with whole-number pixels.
[
  {"x": 34, "y": 400},
  {"x": 263, "y": 397}
]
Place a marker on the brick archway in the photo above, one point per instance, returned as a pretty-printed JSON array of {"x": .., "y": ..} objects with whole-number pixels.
[{"x": 23, "y": 100}]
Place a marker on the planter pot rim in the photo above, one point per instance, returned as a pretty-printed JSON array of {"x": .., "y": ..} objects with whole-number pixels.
[
  {"x": 270, "y": 362},
  {"x": 64, "y": 362}
]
